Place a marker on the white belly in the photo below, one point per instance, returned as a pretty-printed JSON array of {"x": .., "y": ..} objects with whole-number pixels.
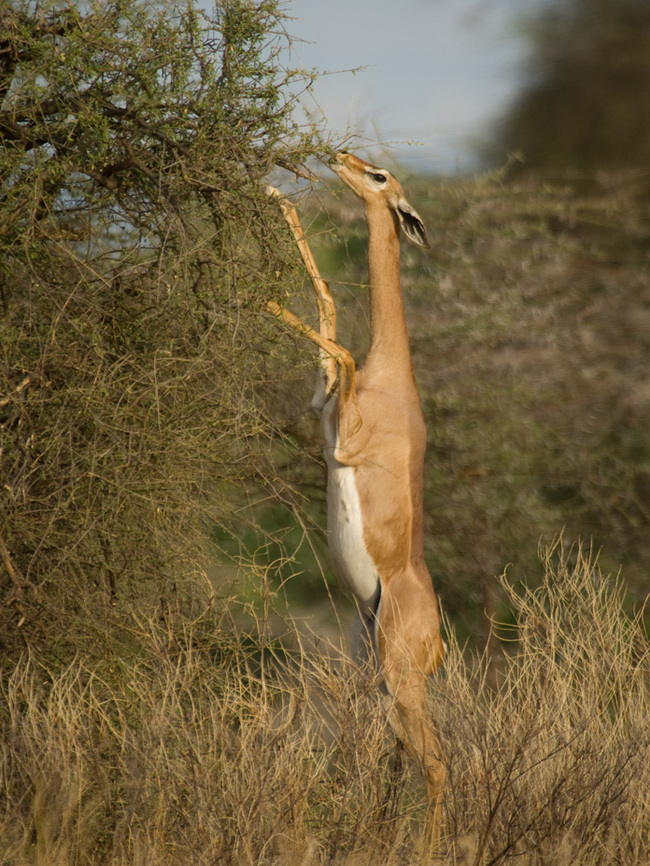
[{"x": 352, "y": 561}]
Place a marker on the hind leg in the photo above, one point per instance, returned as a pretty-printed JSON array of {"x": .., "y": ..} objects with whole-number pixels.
[
  {"x": 421, "y": 739},
  {"x": 410, "y": 649}
]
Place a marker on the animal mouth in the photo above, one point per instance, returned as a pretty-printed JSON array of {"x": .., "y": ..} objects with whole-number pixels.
[{"x": 337, "y": 161}]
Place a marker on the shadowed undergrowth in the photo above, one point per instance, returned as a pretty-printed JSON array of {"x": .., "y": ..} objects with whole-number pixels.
[{"x": 206, "y": 745}]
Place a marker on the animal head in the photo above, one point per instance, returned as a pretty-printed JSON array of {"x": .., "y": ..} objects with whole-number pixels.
[{"x": 376, "y": 186}]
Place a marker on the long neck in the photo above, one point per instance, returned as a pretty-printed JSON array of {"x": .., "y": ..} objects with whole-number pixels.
[{"x": 389, "y": 343}]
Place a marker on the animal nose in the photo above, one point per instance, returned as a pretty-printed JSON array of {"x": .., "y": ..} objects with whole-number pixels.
[{"x": 339, "y": 158}]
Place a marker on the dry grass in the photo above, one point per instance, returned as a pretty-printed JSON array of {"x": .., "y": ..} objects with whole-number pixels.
[
  {"x": 551, "y": 765},
  {"x": 210, "y": 748}
]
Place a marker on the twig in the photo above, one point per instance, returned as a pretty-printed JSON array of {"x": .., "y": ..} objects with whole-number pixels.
[{"x": 19, "y": 581}]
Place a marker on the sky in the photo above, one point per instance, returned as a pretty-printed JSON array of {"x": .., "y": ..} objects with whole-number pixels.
[{"x": 432, "y": 74}]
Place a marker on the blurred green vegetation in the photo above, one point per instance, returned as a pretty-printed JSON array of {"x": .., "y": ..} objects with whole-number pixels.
[
  {"x": 583, "y": 104},
  {"x": 530, "y": 329}
]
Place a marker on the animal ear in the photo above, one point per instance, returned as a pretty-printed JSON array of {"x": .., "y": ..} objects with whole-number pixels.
[{"x": 412, "y": 225}]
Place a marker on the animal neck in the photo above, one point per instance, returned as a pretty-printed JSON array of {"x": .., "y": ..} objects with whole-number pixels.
[{"x": 389, "y": 341}]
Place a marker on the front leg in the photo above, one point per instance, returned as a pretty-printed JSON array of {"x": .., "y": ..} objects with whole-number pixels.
[
  {"x": 348, "y": 414},
  {"x": 327, "y": 374}
]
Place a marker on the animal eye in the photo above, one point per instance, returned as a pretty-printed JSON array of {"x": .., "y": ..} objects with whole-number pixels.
[{"x": 378, "y": 178}]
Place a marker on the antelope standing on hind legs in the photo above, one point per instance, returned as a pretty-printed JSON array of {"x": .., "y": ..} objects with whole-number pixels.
[{"x": 374, "y": 442}]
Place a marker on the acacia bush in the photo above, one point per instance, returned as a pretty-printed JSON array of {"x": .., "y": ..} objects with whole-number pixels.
[{"x": 137, "y": 250}]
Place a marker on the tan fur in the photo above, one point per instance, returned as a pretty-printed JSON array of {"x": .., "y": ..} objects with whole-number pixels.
[{"x": 373, "y": 422}]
